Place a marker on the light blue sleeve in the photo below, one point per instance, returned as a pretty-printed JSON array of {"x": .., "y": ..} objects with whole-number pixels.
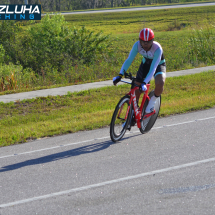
[
  {"x": 154, "y": 65},
  {"x": 130, "y": 58}
]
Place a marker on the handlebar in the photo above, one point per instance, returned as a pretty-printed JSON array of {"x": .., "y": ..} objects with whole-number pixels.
[{"x": 129, "y": 76}]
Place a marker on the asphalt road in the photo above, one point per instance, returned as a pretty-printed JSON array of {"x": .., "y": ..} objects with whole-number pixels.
[{"x": 169, "y": 170}]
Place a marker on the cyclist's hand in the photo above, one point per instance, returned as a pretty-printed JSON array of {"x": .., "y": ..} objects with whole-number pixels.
[
  {"x": 117, "y": 79},
  {"x": 143, "y": 87}
]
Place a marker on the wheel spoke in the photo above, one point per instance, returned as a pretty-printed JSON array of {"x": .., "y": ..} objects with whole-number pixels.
[{"x": 119, "y": 122}]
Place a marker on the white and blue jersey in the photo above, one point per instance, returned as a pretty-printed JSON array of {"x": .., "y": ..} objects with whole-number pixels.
[{"x": 154, "y": 57}]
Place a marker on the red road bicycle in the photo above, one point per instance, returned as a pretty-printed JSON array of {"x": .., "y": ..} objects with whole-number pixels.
[{"x": 127, "y": 113}]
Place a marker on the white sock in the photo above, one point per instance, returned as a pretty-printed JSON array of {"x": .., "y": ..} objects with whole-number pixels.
[{"x": 151, "y": 104}]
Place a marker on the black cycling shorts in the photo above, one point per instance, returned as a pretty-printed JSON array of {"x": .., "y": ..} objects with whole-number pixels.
[{"x": 145, "y": 67}]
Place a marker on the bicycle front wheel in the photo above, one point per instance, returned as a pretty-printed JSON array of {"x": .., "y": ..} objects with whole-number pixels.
[
  {"x": 120, "y": 121},
  {"x": 148, "y": 123}
]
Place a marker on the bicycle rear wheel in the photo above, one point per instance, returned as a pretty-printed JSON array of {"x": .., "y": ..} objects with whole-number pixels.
[
  {"x": 148, "y": 123},
  {"x": 119, "y": 122}
]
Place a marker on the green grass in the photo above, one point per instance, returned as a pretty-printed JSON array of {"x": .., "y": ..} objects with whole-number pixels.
[
  {"x": 86, "y": 110},
  {"x": 176, "y": 52},
  {"x": 91, "y": 109},
  {"x": 134, "y": 6},
  {"x": 134, "y": 21},
  {"x": 172, "y": 27}
]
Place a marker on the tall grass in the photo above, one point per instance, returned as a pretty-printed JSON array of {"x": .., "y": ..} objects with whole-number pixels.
[
  {"x": 202, "y": 46},
  {"x": 52, "y": 68},
  {"x": 133, "y": 21}
]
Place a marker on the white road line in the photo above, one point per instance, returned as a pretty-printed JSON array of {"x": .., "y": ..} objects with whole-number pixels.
[
  {"x": 196, "y": 120},
  {"x": 86, "y": 141},
  {"x": 106, "y": 183}
]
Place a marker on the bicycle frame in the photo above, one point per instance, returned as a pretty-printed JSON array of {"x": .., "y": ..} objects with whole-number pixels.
[{"x": 137, "y": 112}]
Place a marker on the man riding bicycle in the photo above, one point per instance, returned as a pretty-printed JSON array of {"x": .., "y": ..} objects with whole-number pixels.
[{"x": 153, "y": 63}]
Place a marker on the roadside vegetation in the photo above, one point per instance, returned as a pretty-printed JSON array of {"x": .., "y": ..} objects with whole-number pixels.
[
  {"x": 48, "y": 116},
  {"x": 77, "y": 49},
  {"x": 75, "y": 5},
  {"x": 61, "y": 51}
]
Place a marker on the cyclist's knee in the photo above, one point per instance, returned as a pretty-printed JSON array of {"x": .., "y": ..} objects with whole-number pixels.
[
  {"x": 137, "y": 83},
  {"x": 160, "y": 80}
]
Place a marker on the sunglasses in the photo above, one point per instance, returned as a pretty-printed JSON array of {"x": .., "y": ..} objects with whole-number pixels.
[{"x": 146, "y": 42}]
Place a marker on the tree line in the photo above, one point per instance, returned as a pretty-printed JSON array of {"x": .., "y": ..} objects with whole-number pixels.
[{"x": 68, "y": 5}]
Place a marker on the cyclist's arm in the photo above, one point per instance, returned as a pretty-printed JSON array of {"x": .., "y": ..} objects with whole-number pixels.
[
  {"x": 153, "y": 67},
  {"x": 130, "y": 58}
]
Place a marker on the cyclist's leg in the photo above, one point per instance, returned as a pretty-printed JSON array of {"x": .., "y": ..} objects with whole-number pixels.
[
  {"x": 141, "y": 75},
  {"x": 159, "y": 84},
  {"x": 160, "y": 76},
  {"x": 137, "y": 92}
]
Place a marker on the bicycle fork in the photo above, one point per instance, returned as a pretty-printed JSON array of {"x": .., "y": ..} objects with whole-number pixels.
[{"x": 126, "y": 115}]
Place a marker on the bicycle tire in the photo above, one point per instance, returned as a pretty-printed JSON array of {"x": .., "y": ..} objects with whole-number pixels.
[
  {"x": 117, "y": 130},
  {"x": 148, "y": 123}
]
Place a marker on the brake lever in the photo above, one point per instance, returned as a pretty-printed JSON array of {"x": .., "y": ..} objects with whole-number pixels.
[{"x": 128, "y": 75}]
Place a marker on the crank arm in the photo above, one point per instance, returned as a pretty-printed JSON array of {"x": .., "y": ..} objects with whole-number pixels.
[{"x": 147, "y": 115}]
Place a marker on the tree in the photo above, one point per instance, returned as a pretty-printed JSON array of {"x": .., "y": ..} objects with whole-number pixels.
[
  {"x": 16, "y": 1},
  {"x": 57, "y": 4},
  {"x": 51, "y": 5},
  {"x": 60, "y": 5},
  {"x": 68, "y": 4}
]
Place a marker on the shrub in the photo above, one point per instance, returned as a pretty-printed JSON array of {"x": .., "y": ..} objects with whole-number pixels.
[
  {"x": 8, "y": 80},
  {"x": 52, "y": 44},
  {"x": 8, "y": 33},
  {"x": 2, "y": 54},
  {"x": 201, "y": 46}
]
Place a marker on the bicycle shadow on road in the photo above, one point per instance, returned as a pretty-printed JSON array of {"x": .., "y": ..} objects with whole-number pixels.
[{"x": 61, "y": 155}]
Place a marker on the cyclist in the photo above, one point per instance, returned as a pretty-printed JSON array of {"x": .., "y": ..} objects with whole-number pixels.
[{"x": 153, "y": 63}]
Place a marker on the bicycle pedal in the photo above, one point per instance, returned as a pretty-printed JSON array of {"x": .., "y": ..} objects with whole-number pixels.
[
  {"x": 133, "y": 123},
  {"x": 129, "y": 128}
]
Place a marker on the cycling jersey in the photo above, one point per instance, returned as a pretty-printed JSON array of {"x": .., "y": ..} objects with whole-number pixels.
[{"x": 154, "y": 56}]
